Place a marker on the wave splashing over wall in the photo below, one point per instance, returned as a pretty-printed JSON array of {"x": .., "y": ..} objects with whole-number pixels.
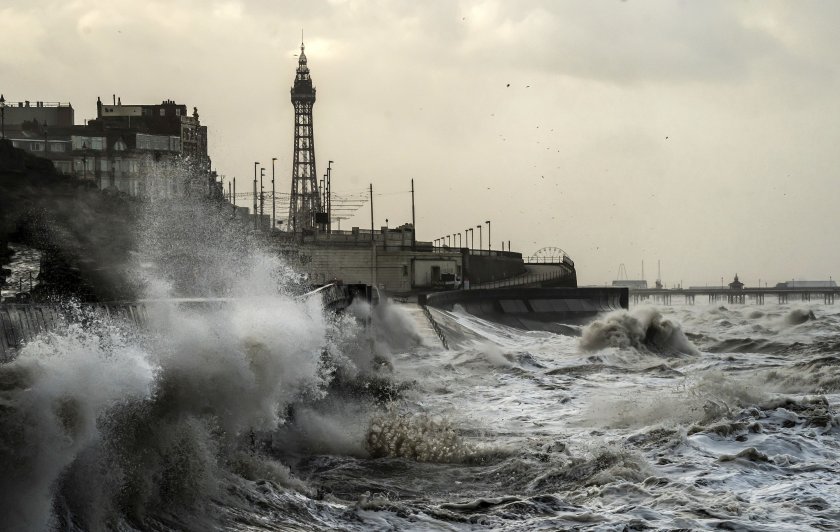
[{"x": 642, "y": 329}]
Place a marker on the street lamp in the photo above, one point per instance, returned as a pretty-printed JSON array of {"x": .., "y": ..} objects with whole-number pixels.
[
  {"x": 273, "y": 211},
  {"x": 480, "y": 245},
  {"x": 329, "y": 196},
  {"x": 3, "y": 115},
  {"x": 489, "y": 240},
  {"x": 256, "y": 164},
  {"x": 84, "y": 161}
]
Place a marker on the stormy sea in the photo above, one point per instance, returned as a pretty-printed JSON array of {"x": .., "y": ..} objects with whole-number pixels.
[{"x": 261, "y": 411}]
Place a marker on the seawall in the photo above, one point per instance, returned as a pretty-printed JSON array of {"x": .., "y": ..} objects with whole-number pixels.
[
  {"x": 21, "y": 323},
  {"x": 534, "y": 308}
]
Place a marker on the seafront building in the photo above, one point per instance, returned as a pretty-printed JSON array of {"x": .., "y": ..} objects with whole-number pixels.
[{"x": 125, "y": 149}]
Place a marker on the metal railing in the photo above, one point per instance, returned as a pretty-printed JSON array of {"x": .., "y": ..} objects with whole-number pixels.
[
  {"x": 558, "y": 259},
  {"x": 529, "y": 278},
  {"x": 435, "y": 326}
]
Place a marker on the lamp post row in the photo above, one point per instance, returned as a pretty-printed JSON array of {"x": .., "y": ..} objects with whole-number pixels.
[
  {"x": 467, "y": 233},
  {"x": 259, "y": 195}
]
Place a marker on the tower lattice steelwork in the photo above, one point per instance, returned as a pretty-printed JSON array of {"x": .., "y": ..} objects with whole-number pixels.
[{"x": 305, "y": 202}]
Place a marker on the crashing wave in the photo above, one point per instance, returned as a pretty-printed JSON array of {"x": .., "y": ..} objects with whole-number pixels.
[{"x": 643, "y": 329}]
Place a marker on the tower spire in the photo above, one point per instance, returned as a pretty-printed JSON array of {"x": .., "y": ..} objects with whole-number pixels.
[{"x": 305, "y": 201}]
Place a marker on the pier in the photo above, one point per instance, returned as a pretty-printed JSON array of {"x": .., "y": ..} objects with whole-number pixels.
[{"x": 740, "y": 296}]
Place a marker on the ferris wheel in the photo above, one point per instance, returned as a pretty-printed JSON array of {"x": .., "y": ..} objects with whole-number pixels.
[{"x": 549, "y": 254}]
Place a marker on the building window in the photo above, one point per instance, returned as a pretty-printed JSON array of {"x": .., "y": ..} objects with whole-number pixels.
[
  {"x": 90, "y": 143},
  {"x": 57, "y": 146},
  {"x": 163, "y": 112},
  {"x": 36, "y": 146},
  {"x": 177, "y": 112}
]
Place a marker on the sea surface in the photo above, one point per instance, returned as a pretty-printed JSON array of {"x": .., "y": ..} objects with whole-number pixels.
[
  {"x": 24, "y": 267},
  {"x": 265, "y": 413}
]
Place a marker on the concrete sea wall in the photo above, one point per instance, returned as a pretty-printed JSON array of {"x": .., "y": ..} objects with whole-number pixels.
[
  {"x": 534, "y": 308},
  {"x": 21, "y": 323}
]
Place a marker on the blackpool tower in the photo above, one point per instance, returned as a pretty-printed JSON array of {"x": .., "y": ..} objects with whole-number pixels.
[{"x": 305, "y": 202}]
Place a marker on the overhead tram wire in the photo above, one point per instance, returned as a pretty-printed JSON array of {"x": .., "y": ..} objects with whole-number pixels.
[{"x": 344, "y": 206}]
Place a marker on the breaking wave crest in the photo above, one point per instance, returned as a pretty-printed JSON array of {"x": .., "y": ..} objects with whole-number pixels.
[
  {"x": 418, "y": 437},
  {"x": 116, "y": 426},
  {"x": 643, "y": 329}
]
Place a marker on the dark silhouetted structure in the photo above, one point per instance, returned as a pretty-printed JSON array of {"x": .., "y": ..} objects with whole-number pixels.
[{"x": 305, "y": 202}]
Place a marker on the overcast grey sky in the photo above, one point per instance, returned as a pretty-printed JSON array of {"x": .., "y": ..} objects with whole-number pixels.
[{"x": 702, "y": 133}]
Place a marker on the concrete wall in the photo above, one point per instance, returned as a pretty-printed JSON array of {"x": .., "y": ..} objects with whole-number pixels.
[
  {"x": 395, "y": 271},
  {"x": 22, "y": 323},
  {"x": 423, "y": 269},
  {"x": 486, "y": 268},
  {"x": 534, "y": 308}
]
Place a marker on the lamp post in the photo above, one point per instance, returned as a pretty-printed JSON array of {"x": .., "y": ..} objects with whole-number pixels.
[
  {"x": 471, "y": 245},
  {"x": 256, "y": 164},
  {"x": 273, "y": 211},
  {"x": 262, "y": 196},
  {"x": 489, "y": 240},
  {"x": 84, "y": 161},
  {"x": 329, "y": 196},
  {"x": 480, "y": 245},
  {"x": 3, "y": 116},
  {"x": 46, "y": 138},
  {"x": 97, "y": 171}
]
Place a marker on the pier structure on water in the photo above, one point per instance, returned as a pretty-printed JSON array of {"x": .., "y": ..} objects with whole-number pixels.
[{"x": 742, "y": 295}]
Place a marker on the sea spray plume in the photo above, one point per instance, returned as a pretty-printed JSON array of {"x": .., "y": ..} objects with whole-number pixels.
[
  {"x": 643, "y": 329},
  {"x": 707, "y": 399},
  {"x": 227, "y": 372},
  {"x": 393, "y": 328},
  {"x": 159, "y": 421},
  {"x": 357, "y": 364},
  {"x": 52, "y": 396}
]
